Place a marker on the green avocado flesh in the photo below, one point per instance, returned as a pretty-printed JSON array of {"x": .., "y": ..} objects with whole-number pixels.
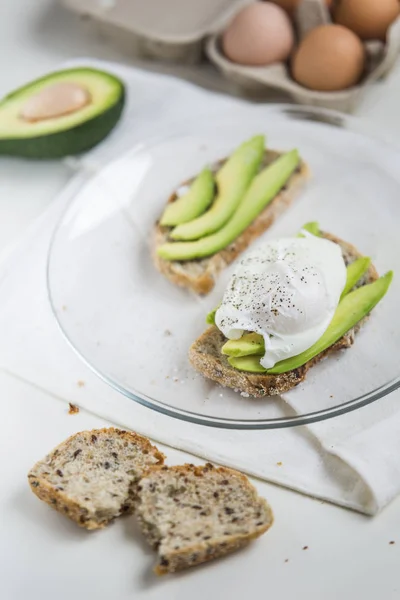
[
  {"x": 249, "y": 343},
  {"x": 65, "y": 134},
  {"x": 249, "y": 363},
  {"x": 351, "y": 309},
  {"x": 193, "y": 203},
  {"x": 232, "y": 180},
  {"x": 312, "y": 227},
  {"x": 262, "y": 190},
  {"x": 354, "y": 272},
  {"x": 210, "y": 318}
]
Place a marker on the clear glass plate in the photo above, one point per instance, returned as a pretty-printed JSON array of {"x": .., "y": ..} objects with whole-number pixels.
[{"x": 134, "y": 328}]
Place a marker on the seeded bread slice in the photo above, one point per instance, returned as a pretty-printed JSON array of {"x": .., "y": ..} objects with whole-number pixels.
[
  {"x": 205, "y": 354},
  {"x": 200, "y": 275},
  {"x": 194, "y": 514},
  {"x": 89, "y": 477}
]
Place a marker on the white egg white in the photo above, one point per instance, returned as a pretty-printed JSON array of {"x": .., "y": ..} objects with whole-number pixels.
[{"x": 286, "y": 290}]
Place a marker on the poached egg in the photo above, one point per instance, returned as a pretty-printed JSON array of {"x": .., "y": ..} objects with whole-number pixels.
[{"x": 286, "y": 290}]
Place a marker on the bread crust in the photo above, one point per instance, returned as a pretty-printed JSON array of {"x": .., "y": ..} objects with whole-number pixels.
[
  {"x": 206, "y": 357},
  {"x": 201, "y": 552},
  {"x": 200, "y": 275},
  {"x": 60, "y": 500}
]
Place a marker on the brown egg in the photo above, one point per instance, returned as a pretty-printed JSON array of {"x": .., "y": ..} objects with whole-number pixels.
[
  {"x": 329, "y": 58},
  {"x": 290, "y": 5},
  {"x": 260, "y": 34},
  {"x": 369, "y": 19}
]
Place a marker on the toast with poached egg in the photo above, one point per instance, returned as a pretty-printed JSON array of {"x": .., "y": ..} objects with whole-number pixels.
[{"x": 207, "y": 355}]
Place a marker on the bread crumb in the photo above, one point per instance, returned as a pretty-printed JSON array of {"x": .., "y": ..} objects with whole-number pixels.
[
  {"x": 286, "y": 560},
  {"x": 175, "y": 380},
  {"x": 167, "y": 377},
  {"x": 81, "y": 383},
  {"x": 167, "y": 333},
  {"x": 305, "y": 547},
  {"x": 244, "y": 394},
  {"x": 279, "y": 464},
  {"x": 73, "y": 409},
  {"x": 392, "y": 542},
  {"x": 331, "y": 396},
  {"x": 63, "y": 307}
]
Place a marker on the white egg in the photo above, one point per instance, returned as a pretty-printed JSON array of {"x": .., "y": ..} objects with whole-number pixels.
[{"x": 286, "y": 290}]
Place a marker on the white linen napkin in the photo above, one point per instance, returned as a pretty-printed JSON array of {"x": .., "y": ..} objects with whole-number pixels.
[{"x": 351, "y": 460}]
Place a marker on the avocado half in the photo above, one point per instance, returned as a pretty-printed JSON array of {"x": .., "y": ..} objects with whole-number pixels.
[{"x": 66, "y": 134}]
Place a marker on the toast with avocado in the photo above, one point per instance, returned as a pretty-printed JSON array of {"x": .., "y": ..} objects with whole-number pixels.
[
  {"x": 236, "y": 363},
  {"x": 222, "y": 211}
]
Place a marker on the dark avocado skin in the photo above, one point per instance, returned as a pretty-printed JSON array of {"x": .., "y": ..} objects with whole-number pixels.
[{"x": 80, "y": 138}]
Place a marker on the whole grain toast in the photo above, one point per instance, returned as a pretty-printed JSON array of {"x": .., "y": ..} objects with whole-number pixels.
[
  {"x": 90, "y": 476},
  {"x": 195, "y": 514},
  {"x": 206, "y": 357},
  {"x": 200, "y": 275}
]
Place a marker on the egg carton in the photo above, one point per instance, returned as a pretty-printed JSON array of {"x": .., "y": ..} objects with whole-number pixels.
[
  {"x": 310, "y": 14},
  {"x": 183, "y": 30}
]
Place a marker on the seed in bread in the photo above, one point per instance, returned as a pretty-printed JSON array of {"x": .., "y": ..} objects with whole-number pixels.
[
  {"x": 195, "y": 514},
  {"x": 89, "y": 477}
]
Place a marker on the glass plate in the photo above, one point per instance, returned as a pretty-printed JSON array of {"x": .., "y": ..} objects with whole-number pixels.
[{"x": 134, "y": 328}]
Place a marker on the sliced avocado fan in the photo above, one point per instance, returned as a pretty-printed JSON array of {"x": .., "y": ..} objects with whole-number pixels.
[
  {"x": 193, "y": 203},
  {"x": 351, "y": 309},
  {"x": 232, "y": 180},
  {"x": 63, "y": 113},
  {"x": 262, "y": 190}
]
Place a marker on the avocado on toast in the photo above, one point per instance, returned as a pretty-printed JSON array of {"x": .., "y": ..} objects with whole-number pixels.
[
  {"x": 252, "y": 188},
  {"x": 221, "y": 360}
]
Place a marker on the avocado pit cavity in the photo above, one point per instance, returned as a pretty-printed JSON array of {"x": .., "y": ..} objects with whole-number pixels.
[{"x": 54, "y": 101}]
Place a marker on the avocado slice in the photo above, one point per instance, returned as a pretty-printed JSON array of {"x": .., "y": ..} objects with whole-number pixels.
[
  {"x": 193, "y": 203},
  {"x": 210, "y": 318},
  {"x": 30, "y": 126},
  {"x": 248, "y": 344},
  {"x": 249, "y": 363},
  {"x": 355, "y": 271},
  {"x": 263, "y": 189},
  {"x": 354, "y": 307},
  {"x": 232, "y": 179},
  {"x": 312, "y": 227}
]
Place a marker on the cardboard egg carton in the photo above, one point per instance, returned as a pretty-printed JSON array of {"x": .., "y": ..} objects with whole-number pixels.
[
  {"x": 310, "y": 13},
  {"x": 180, "y": 31}
]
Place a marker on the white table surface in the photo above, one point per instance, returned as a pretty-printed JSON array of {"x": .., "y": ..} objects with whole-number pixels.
[{"x": 43, "y": 555}]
